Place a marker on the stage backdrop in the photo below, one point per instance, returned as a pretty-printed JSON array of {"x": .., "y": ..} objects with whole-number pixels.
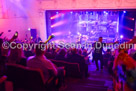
[{"x": 89, "y": 25}]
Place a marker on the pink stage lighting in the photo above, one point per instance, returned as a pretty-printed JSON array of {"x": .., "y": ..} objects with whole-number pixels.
[
  {"x": 130, "y": 29},
  {"x": 130, "y": 18},
  {"x": 56, "y": 16},
  {"x": 58, "y": 23},
  {"x": 57, "y": 33}
]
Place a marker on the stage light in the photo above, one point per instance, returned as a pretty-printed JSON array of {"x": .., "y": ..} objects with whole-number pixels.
[
  {"x": 71, "y": 12},
  {"x": 125, "y": 27},
  {"x": 124, "y": 11},
  {"x": 29, "y": 29},
  {"x": 104, "y": 11},
  {"x": 31, "y": 37},
  {"x": 62, "y": 14},
  {"x": 57, "y": 12},
  {"x": 121, "y": 36},
  {"x": 56, "y": 16},
  {"x": 107, "y": 13},
  {"x": 58, "y": 23},
  {"x": 78, "y": 33},
  {"x": 57, "y": 33},
  {"x": 52, "y": 26},
  {"x": 129, "y": 18}
]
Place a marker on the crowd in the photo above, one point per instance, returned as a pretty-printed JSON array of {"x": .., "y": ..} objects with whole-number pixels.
[{"x": 38, "y": 58}]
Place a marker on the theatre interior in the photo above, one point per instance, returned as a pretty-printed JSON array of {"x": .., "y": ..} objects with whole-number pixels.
[{"x": 67, "y": 45}]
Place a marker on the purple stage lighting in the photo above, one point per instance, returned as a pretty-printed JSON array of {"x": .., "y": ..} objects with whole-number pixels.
[{"x": 75, "y": 24}]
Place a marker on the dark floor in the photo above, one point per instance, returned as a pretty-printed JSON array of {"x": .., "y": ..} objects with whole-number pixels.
[{"x": 97, "y": 81}]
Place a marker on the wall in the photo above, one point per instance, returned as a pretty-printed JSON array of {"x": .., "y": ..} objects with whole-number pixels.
[
  {"x": 87, "y": 4},
  {"x": 16, "y": 24},
  {"x": 22, "y": 14},
  {"x": 12, "y": 17}
]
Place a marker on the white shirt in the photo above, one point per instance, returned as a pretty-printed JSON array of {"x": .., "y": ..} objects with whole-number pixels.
[{"x": 44, "y": 64}]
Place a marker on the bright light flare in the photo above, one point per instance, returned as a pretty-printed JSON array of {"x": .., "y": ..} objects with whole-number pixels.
[
  {"x": 29, "y": 29},
  {"x": 124, "y": 11},
  {"x": 121, "y": 36}
]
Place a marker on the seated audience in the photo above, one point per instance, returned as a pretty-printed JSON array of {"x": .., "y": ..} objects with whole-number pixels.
[
  {"x": 61, "y": 55},
  {"x": 68, "y": 53},
  {"x": 2, "y": 66},
  {"x": 80, "y": 52},
  {"x": 76, "y": 58},
  {"x": 4, "y": 55},
  {"x": 40, "y": 61},
  {"x": 134, "y": 56},
  {"x": 124, "y": 59},
  {"x": 85, "y": 54},
  {"x": 28, "y": 53},
  {"x": 48, "y": 55},
  {"x": 107, "y": 57},
  {"x": 16, "y": 56},
  {"x": 2, "y": 60},
  {"x": 48, "y": 68}
]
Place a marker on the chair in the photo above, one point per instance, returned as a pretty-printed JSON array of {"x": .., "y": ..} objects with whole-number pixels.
[
  {"x": 2, "y": 83},
  {"x": 26, "y": 78},
  {"x": 72, "y": 69},
  {"x": 2, "y": 79}
]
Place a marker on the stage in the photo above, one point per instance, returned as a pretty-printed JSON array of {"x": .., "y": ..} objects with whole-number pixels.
[{"x": 88, "y": 25}]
